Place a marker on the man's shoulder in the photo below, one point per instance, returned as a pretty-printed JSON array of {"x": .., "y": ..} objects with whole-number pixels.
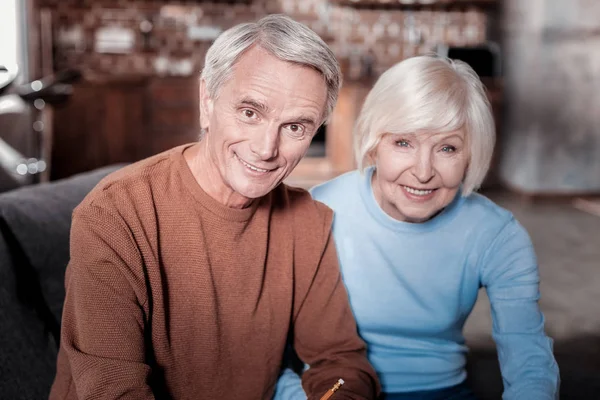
[
  {"x": 309, "y": 219},
  {"x": 299, "y": 201},
  {"x": 134, "y": 181}
]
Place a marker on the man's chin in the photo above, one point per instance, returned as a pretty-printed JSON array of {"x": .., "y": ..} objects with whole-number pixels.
[
  {"x": 255, "y": 187},
  {"x": 255, "y": 191}
]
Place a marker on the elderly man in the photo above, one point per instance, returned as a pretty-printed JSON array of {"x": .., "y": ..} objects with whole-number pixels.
[{"x": 189, "y": 270}]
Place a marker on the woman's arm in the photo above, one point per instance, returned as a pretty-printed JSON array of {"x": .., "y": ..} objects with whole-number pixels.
[
  {"x": 289, "y": 386},
  {"x": 510, "y": 275}
]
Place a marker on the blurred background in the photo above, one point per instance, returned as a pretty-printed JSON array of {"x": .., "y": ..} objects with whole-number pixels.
[
  {"x": 129, "y": 75},
  {"x": 100, "y": 82}
]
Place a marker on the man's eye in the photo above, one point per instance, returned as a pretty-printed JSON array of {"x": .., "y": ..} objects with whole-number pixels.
[
  {"x": 249, "y": 113},
  {"x": 295, "y": 129},
  {"x": 449, "y": 149}
]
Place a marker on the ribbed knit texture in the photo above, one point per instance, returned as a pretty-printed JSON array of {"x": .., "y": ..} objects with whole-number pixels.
[{"x": 172, "y": 295}]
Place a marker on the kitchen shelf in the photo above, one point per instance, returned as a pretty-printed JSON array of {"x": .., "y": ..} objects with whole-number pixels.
[{"x": 415, "y": 5}]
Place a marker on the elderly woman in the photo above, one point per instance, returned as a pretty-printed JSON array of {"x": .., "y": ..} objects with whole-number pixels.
[{"x": 415, "y": 242}]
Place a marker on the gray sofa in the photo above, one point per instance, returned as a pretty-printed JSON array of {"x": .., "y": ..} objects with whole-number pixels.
[{"x": 34, "y": 250}]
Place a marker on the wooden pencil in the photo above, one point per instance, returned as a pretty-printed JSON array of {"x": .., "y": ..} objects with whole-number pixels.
[{"x": 334, "y": 389}]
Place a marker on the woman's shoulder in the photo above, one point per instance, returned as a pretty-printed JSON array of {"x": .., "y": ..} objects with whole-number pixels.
[
  {"x": 478, "y": 206},
  {"x": 484, "y": 219},
  {"x": 339, "y": 190},
  {"x": 491, "y": 226}
]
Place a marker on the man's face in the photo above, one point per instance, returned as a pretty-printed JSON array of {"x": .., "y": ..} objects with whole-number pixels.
[{"x": 261, "y": 123}]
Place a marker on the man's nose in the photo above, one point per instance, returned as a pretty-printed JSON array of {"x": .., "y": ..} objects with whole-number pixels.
[
  {"x": 423, "y": 166},
  {"x": 265, "y": 144}
]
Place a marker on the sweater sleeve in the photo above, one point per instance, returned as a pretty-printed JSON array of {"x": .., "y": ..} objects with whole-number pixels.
[
  {"x": 510, "y": 275},
  {"x": 326, "y": 337},
  {"x": 103, "y": 319}
]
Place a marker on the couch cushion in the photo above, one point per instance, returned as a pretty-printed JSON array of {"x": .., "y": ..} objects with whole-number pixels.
[
  {"x": 28, "y": 356},
  {"x": 36, "y": 221}
]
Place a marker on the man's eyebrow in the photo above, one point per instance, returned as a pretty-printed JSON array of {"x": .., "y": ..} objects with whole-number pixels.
[
  {"x": 248, "y": 101},
  {"x": 303, "y": 119},
  {"x": 262, "y": 107}
]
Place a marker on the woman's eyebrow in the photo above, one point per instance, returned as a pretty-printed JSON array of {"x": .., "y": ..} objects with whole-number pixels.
[{"x": 454, "y": 135}]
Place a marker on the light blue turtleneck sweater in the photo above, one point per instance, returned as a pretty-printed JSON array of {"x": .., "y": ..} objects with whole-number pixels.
[{"x": 412, "y": 286}]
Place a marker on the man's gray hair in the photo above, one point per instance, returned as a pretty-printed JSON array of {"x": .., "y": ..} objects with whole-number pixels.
[{"x": 282, "y": 37}]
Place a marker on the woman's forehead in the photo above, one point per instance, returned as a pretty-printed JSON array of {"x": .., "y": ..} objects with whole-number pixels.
[{"x": 425, "y": 134}]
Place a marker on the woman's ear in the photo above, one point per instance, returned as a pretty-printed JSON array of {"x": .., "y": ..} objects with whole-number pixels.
[
  {"x": 206, "y": 105},
  {"x": 468, "y": 163},
  {"x": 371, "y": 156}
]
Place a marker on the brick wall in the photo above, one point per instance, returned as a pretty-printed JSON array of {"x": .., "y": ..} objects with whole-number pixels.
[{"x": 170, "y": 47}]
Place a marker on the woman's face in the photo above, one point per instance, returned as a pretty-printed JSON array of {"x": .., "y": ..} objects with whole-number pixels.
[{"x": 418, "y": 175}]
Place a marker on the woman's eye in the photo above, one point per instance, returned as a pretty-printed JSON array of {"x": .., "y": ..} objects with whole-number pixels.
[
  {"x": 402, "y": 143},
  {"x": 449, "y": 149}
]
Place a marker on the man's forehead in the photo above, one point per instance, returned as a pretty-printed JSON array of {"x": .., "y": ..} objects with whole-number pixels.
[
  {"x": 265, "y": 82},
  {"x": 268, "y": 98}
]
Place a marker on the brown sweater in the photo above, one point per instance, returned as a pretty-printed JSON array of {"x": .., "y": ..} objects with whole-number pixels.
[{"x": 172, "y": 295}]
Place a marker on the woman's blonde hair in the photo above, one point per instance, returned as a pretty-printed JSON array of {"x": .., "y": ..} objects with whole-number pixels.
[{"x": 429, "y": 94}]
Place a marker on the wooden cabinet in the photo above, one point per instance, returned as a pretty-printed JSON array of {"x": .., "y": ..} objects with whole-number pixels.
[
  {"x": 101, "y": 124},
  {"x": 409, "y": 5},
  {"x": 122, "y": 120},
  {"x": 173, "y": 112}
]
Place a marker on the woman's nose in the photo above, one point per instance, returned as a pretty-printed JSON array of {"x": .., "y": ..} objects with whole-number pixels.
[{"x": 423, "y": 167}]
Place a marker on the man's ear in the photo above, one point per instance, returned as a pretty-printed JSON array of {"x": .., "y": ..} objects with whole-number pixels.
[{"x": 206, "y": 105}]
